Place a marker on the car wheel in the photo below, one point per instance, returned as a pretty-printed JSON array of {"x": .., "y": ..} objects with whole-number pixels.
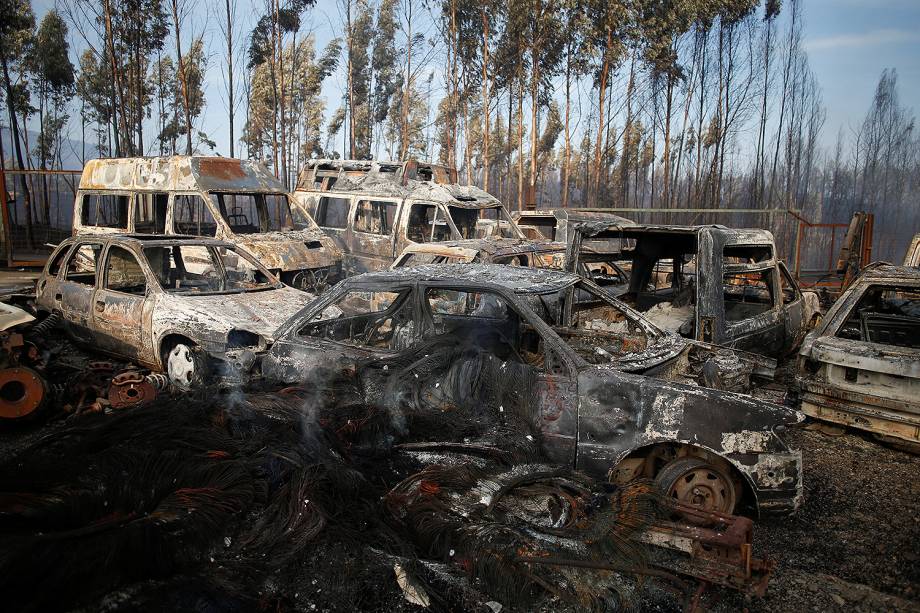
[
  {"x": 695, "y": 482},
  {"x": 185, "y": 366}
]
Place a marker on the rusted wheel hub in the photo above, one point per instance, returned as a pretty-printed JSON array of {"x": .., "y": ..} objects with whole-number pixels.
[
  {"x": 131, "y": 389},
  {"x": 694, "y": 482},
  {"x": 22, "y": 392}
]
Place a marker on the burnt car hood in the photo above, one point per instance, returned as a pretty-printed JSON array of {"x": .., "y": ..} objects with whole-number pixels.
[
  {"x": 294, "y": 250},
  {"x": 261, "y": 312},
  {"x": 661, "y": 349}
]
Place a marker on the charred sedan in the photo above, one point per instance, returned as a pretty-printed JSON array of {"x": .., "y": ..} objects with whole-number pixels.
[
  {"x": 195, "y": 308},
  {"x": 605, "y": 391}
]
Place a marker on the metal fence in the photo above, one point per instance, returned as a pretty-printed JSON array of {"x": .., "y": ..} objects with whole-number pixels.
[{"x": 37, "y": 213}]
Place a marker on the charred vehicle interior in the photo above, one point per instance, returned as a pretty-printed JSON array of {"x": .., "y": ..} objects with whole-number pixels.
[{"x": 710, "y": 283}]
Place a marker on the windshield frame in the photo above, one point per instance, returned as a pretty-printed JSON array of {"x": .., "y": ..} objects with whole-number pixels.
[
  {"x": 273, "y": 282},
  {"x": 504, "y": 215}
]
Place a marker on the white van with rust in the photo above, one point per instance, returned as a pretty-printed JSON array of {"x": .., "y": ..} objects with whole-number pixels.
[{"x": 238, "y": 201}]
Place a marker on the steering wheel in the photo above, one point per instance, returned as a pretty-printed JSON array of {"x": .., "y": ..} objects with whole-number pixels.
[{"x": 373, "y": 332}]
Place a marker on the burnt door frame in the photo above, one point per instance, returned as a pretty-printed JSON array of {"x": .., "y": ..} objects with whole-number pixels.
[
  {"x": 76, "y": 299},
  {"x": 119, "y": 317},
  {"x": 370, "y": 250}
]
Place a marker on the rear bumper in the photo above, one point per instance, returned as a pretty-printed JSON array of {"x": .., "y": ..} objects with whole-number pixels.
[{"x": 864, "y": 411}]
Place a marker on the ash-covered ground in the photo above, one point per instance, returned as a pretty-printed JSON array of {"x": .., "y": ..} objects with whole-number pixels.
[{"x": 239, "y": 504}]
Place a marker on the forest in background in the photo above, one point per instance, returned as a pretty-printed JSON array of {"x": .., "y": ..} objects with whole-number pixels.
[{"x": 623, "y": 103}]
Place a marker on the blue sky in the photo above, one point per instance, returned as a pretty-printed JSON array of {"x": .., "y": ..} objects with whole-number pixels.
[{"x": 849, "y": 43}]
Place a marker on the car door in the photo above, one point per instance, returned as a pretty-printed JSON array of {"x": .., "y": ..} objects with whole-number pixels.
[
  {"x": 753, "y": 314},
  {"x": 793, "y": 310},
  {"x": 503, "y": 359},
  {"x": 372, "y": 236},
  {"x": 332, "y": 215},
  {"x": 74, "y": 296},
  {"x": 119, "y": 305}
]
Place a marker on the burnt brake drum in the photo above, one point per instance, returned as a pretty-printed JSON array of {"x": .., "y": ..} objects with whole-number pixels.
[{"x": 22, "y": 393}]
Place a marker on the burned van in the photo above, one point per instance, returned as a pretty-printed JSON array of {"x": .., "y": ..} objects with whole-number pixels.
[
  {"x": 238, "y": 201},
  {"x": 374, "y": 210}
]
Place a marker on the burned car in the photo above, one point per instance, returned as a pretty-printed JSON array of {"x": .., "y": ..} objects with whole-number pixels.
[
  {"x": 239, "y": 201},
  {"x": 558, "y": 224},
  {"x": 711, "y": 283},
  {"x": 195, "y": 308},
  {"x": 861, "y": 366},
  {"x": 605, "y": 391},
  {"x": 374, "y": 210},
  {"x": 509, "y": 251}
]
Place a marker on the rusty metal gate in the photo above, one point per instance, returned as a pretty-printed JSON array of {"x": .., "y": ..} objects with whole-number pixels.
[{"x": 36, "y": 213}]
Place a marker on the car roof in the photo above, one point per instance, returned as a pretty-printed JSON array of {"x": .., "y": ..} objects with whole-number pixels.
[
  {"x": 494, "y": 246},
  {"x": 519, "y": 279},
  {"x": 179, "y": 173},
  {"x": 889, "y": 273},
  {"x": 144, "y": 240},
  {"x": 752, "y": 236}
]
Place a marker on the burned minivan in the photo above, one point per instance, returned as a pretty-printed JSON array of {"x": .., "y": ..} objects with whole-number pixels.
[
  {"x": 604, "y": 391},
  {"x": 239, "y": 201},
  {"x": 375, "y": 209},
  {"x": 861, "y": 366},
  {"x": 711, "y": 283}
]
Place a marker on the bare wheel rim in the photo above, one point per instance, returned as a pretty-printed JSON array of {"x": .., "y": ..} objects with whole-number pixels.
[
  {"x": 181, "y": 366},
  {"x": 704, "y": 487}
]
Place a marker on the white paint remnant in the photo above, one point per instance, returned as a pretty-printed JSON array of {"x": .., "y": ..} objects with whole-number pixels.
[{"x": 746, "y": 441}]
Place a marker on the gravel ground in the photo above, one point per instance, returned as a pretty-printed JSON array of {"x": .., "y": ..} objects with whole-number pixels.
[{"x": 855, "y": 543}]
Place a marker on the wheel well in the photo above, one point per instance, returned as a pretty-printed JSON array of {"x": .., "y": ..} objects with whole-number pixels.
[
  {"x": 646, "y": 462},
  {"x": 169, "y": 341}
]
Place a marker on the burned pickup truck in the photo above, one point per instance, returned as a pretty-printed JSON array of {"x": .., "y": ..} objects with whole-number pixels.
[
  {"x": 711, "y": 283},
  {"x": 198, "y": 309},
  {"x": 374, "y": 210},
  {"x": 861, "y": 366},
  {"x": 604, "y": 391},
  {"x": 239, "y": 201}
]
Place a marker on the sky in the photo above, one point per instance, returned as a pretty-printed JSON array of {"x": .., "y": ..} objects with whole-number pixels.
[{"x": 849, "y": 43}]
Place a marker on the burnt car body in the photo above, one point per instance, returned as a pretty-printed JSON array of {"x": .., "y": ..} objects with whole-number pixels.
[
  {"x": 861, "y": 366},
  {"x": 509, "y": 251},
  {"x": 605, "y": 391},
  {"x": 558, "y": 224},
  {"x": 374, "y": 210},
  {"x": 239, "y": 201},
  {"x": 712, "y": 283},
  {"x": 191, "y": 307},
  {"x": 912, "y": 255}
]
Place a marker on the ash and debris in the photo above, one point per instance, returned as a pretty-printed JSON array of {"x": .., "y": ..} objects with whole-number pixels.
[{"x": 302, "y": 500}]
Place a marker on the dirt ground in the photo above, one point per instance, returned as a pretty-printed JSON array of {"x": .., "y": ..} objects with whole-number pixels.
[{"x": 855, "y": 543}]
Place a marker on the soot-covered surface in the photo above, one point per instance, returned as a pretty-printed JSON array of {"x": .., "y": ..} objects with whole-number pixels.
[{"x": 277, "y": 501}]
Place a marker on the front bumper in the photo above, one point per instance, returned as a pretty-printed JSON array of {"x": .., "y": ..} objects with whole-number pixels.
[{"x": 234, "y": 367}]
